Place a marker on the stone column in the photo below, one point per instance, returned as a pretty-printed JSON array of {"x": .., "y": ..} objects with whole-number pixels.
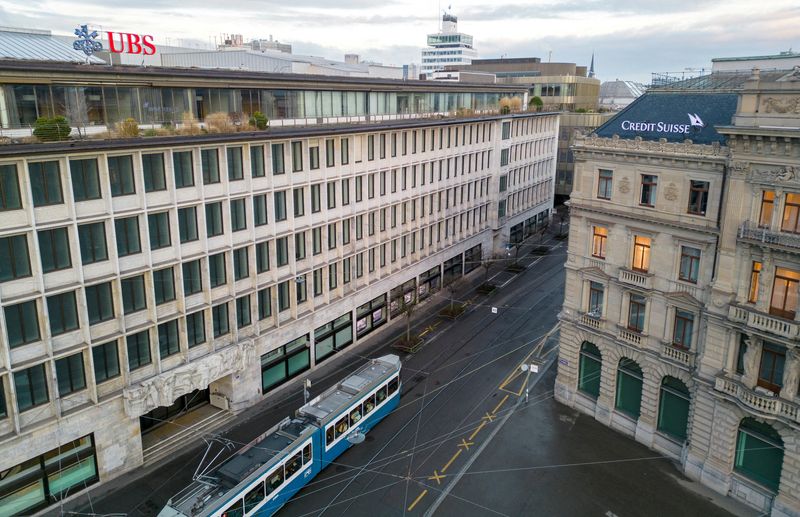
[
  {"x": 791, "y": 374},
  {"x": 752, "y": 358}
]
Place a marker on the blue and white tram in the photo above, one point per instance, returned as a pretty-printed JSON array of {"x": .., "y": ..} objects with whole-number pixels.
[{"x": 261, "y": 477}]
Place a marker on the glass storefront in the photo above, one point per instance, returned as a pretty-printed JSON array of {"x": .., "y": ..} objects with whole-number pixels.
[
  {"x": 401, "y": 297},
  {"x": 284, "y": 363},
  {"x": 371, "y": 316},
  {"x": 333, "y": 336},
  {"x": 429, "y": 282},
  {"x": 472, "y": 258},
  {"x": 452, "y": 269}
]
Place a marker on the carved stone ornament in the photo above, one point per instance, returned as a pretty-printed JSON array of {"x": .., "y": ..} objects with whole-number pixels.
[
  {"x": 624, "y": 185},
  {"x": 671, "y": 192},
  {"x": 163, "y": 389},
  {"x": 740, "y": 167},
  {"x": 783, "y": 174},
  {"x": 771, "y": 104}
]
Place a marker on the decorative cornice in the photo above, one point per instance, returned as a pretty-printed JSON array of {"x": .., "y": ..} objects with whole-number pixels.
[{"x": 686, "y": 149}]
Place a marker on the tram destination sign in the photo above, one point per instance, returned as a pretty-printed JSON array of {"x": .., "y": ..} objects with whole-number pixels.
[{"x": 90, "y": 41}]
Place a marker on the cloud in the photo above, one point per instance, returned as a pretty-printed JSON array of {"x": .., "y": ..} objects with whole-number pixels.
[{"x": 540, "y": 10}]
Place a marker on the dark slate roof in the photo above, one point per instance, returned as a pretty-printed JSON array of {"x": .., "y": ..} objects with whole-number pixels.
[{"x": 666, "y": 114}]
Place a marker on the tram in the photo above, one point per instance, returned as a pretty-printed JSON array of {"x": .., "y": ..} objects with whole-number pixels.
[{"x": 263, "y": 475}]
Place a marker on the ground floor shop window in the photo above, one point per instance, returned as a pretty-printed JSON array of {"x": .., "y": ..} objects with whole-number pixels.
[
  {"x": 284, "y": 363},
  {"x": 515, "y": 234},
  {"x": 46, "y": 479},
  {"x": 429, "y": 282},
  {"x": 333, "y": 336},
  {"x": 401, "y": 297},
  {"x": 589, "y": 366},
  {"x": 673, "y": 408},
  {"x": 472, "y": 258},
  {"x": 452, "y": 269},
  {"x": 371, "y": 316},
  {"x": 759, "y": 453},
  {"x": 629, "y": 388}
]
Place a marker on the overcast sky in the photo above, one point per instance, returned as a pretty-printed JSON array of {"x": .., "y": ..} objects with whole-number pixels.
[{"x": 630, "y": 38}]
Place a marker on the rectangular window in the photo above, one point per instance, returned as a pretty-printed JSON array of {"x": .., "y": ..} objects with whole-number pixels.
[
  {"x": 277, "y": 159},
  {"x": 106, "y": 361},
  {"x": 85, "y": 179},
  {"x": 318, "y": 282},
  {"x": 9, "y": 188},
  {"x": 31, "y": 387},
  {"x": 382, "y": 146},
  {"x": 138, "y": 350},
  {"x": 241, "y": 264},
  {"x": 168, "y": 340},
  {"x": 45, "y": 178},
  {"x": 280, "y": 205},
  {"x": 636, "y": 312},
  {"x": 394, "y": 145},
  {"x": 605, "y": 184},
  {"x": 332, "y": 279},
  {"x": 210, "y": 162},
  {"x": 187, "y": 224},
  {"x": 332, "y": 236},
  {"x": 370, "y": 147},
  {"x": 164, "y": 285},
  {"x": 690, "y": 264},
  {"x": 344, "y": 144},
  {"x": 300, "y": 246},
  {"x": 192, "y": 277},
  {"x": 641, "y": 254},
  {"x": 153, "y": 172},
  {"x": 684, "y": 326},
  {"x": 784, "y": 293},
  {"x": 297, "y": 156},
  {"x": 183, "y": 166},
  {"x": 22, "y": 323},
  {"x": 235, "y": 166},
  {"x": 257, "y": 161},
  {"x": 313, "y": 158},
  {"x": 770, "y": 371},
  {"x": 599, "y": 237},
  {"x": 62, "y": 313},
  {"x": 596, "y": 292},
  {"x": 331, "y": 195},
  {"x": 262, "y": 257},
  {"x": 238, "y": 215},
  {"x": 214, "y": 223},
  {"x": 755, "y": 274},
  {"x": 698, "y": 197},
  {"x": 648, "y": 194},
  {"x": 127, "y": 234},
  {"x": 265, "y": 303},
  {"x": 120, "y": 174},
  {"x": 791, "y": 213},
  {"x": 282, "y": 251},
  {"x": 133, "y": 297},
  {"x": 70, "y": 374},
  {"x": 99, "y": 302},
  {"x": 14, "y": 261},
  {"x": 283, "y": 296},
  {"x": 195, "y": 329},
  {"x": 371, "y": 186},
  {"x": 298, "y": 202},
  {"x": 221, "y": 321},
  {"x": 316, "y": 240},
  {"x": 216, "y": 270},
  {"x": 243, "y": 318},
  {"x": 159, "y": 230},
  {"x": 359, "y": 188},
  {"x": 506, "y": 134},
  {"x": 345, "y": 192},
  {"x": 54, "y": 249},
  {"x": 260, "y": 210},
  {"x": 767, "y": 206},
  {"x": 301, "y": 289},
  {"x": 504, "y": 157},
  {"x": 330, "y": 153}
]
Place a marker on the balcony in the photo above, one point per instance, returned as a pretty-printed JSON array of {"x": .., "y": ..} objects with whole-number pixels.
[
  {"x": 592, "y": 322},
  {"x": 763, "y": 404},
  {"x": 631, "y": 337},
  {"x": 749, "y": 231},
  {"x": 679, "y": 355},
  {"x": 636, "y": 278},
  {"x": 758, "y": 320}
]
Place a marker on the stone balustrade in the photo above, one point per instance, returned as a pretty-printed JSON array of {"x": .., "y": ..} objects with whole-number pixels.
[
  {"x": 764, "y": 404},
  {"x": 592, "y": 322},
  {"x": 758, "y": 320},
  {"x": 678, "y": 355},
  {"x": 749, "y": 231},
  {"x": 636, "y": 278},
  {"x": 630, "y": 337}
]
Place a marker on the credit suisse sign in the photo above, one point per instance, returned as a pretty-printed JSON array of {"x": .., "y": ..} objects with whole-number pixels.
[
  {"x": 118, "y": 42},
  {"x": 664, "y": 127}
]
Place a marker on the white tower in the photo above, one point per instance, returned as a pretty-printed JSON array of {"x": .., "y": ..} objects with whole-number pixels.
[{"x": 447, "y": 47}]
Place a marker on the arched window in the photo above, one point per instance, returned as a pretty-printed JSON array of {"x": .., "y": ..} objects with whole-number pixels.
[
  {"x": 673, "y": 408},
  {"x": 589, "y": 366},
  {"x": 759, "y": 453},
  {"x": 629, "y": 387}
]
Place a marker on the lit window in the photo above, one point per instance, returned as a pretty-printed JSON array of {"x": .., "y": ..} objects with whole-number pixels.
[{"x": 641, "y": 253}]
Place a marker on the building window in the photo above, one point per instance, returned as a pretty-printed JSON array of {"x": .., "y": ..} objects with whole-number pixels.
[
  {"x": 690, "y": 264},
  {"x": 264, "y": 303},
  {"x": 196, "y": 329},
  {"x": 330, "y": 154},
  {"x": 138, "y": 350},
  {"x": 770, "y": 372},
  {"x": 257, "y": 161},
  {"x": 214, "y": 223},
  {"x": 260, "y": 210},
  {"x": 504, "y": 157},
  {"x": 168, "y": 340},
  {"x": 282, "y": 251},
  {"x": 99, "y": 303},
  {"x": 133, "y": 297},
  {"x": 92, "y": 240},
  {"x": 684, "y": 328},
  {"x": 22, "y": 323},
  {"x": 506, "y": 130},
  {"x": 791, "y": 213},
  {"x": 14, "y": 262},
  {"x": 277, "y": 159},
  {"x": 283, "y": 296},
  {"x": 649, "y": 184},
  {"x": 300, "y": 246},
  {"x": 85, "y": 180},
  {"x": 673, "y": 408},
  {"x": 243, "y": 318},
  {"x": 9, "y": 188},
  {"x": 216, "y": 269},
  {"x": 164, "y": 285},
  {"x": 767, "y": 206},
  {"x": 316, "y": 205},
  {"x": 344, "y": 144},
  {"x": 238, "y": 215},
  {"x": 759, "y": 453},
  {"x": 636, "y": 312},
  {"x": 70, "y": 375},
  {"x": 45, "y": 180},
  {"x": 280, "y": 205},
  {"x": 106, "y": 361},
  {"x": 192, "y": 278},
  {"x": 784, "y": 293},
  {"x": 241, "y": 264},
  {"x": 284, "y": 363},
  {"x": 345, "y": 191},
  {"x": 235, "y": 166},
  {"x": 755, "y": 274},
  {"x": 62, "y": 313},
  {"x": 31, "y": 386},
  {"x": 605, "y": 184},
  {"x": 331, "y": 195},
  {"x": 698, "y": 197},
  {"x": 297, "y": 156},
  {"x": 629, "y": 388},
  {"x": 159, "y": 230},
  {"x": 301, "y": 289},
  {"x": 209, "y": 160},
  {"x": 298, "y": 202},
  {"x": 187, "y": 224},
  {"x": 599, "y": 238},
  {"x": 596, "y": 292},
  {"x": 127, "y": 234},
  {"x": 590, "y": 366},
  {"x": 332, "y": 278},
  {"x": 54, "y": 249},
  {"x": 183, "y": 166},
  {"x": 153, "y": 172},
  {"x": 120, "y": 173},
  {"x": 641, "y": 254},
  {"x": 313, "y": 158},
  {"x": 333, "y": 336},
  {"x": 262, "y": 257},
  {"x": 219, "y": 316},
  {"x": 318, "y": 287}
]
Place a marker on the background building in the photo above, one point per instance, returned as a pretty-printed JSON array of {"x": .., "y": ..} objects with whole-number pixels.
[
  {"x": 785, "y": 60},
  {"x": 570, "y": 126},
  {"x": 447, "y": 47},
  {"x": 615, "y": 95}
]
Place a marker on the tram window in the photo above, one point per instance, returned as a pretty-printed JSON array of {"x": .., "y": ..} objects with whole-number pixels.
[
  {"x": 342, "y": 426},
  {"x": 234, "y": 510},
  {"x": 393, "y": 385},
  {"x": 275, "y": 480},
  {"x": 380, "y": 395},
  {"x": 307, "y": 454},
  {"x": 253, "y": 497},
  {"x": 369, "y": 404},
  {"x": 294, "y": 464},
  {"x": 329, "y": 435},
  {"x": 355, "y": 415}
]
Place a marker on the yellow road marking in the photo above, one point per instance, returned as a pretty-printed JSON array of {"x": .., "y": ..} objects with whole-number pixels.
[
  {"x": 476, "y": 431},
  {"x": 418, "y": 499},
  {"x": 456, "y": 455},
  {"x": 465, "y": 444},
  {"x": 488, "y": 417},
  {"x": 437, "y": 477},
  {"x": 498, "y": 406}
]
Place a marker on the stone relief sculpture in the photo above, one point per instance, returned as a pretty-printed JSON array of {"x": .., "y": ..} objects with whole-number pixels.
[
  {"x": 624, "y": 185},
  {"x": 791, "y": 378},
  {"x": 751, "y": 357},
  {"x": 671, "y": 192},
  {"x": 771, "y": 104}
]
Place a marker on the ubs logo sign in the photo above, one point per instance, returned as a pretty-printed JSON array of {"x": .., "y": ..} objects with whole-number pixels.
[{"x": 118, "y": 42}]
